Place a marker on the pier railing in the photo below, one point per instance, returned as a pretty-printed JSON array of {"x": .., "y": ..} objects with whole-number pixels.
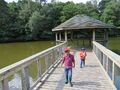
[
  {"x": 43, "y": 61},
  {"x": 110, "y": 62}
]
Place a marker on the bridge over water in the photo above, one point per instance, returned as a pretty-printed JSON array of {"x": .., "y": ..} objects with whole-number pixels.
[
  {"x": 91, "y": 77},
  {"x": 102, "y": 70}
]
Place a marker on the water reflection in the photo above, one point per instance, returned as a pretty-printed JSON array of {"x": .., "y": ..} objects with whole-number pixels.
[
  {"x": 15, "y": 83},
  {"x": 117, "y": 77},
  {"x": 117, "y": 82}
]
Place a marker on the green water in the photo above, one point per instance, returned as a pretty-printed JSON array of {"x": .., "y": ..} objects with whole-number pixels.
[
  {"x": 13, "y": 52},
  {"x": 114, "y": 44}
]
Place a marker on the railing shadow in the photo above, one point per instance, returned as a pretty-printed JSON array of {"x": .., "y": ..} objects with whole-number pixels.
[{"x": 45, "y": 78}]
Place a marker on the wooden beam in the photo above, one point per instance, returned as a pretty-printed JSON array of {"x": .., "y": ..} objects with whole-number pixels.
[
  {"x": 5, "y": 85},
  {"x": 25, "y": 79},
  {"x": 65, "y": 35},
  {"x": 56, "y": 36},
  {"x": 93, "y": 35}
]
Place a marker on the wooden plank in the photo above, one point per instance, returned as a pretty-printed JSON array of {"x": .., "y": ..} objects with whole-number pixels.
[
  {"x": 46, "y": 62},
  {"x": 25, "y": 79},
  {"x": 39, "y": 68},
  {"x": 5, "y": 85},
  {"x": 113, "y": 71}
]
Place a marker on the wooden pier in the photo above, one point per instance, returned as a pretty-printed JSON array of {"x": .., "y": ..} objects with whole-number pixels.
[
  {"x": 90, "y": 77},
  {"x": 101, "y": 72}
]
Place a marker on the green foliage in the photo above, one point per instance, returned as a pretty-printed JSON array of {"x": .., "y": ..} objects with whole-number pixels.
[
  {"x": 69, "y": 10},
  {"x": 102, "y": 5},
  {"x": 33, "y": 20},
  {"x": 36, "y": 24},
  {"x": 4, "y": 18},
  {"x": 91, "y": 10},
  {"x": 111, "y": 13}
]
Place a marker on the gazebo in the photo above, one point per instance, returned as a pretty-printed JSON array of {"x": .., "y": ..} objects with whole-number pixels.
[{"x": 82, "y": 22}]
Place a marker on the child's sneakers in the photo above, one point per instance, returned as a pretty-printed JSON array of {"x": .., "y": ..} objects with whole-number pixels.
[
  {"x": 71, "y": 84},
  {"x": 66, "y": 82}
]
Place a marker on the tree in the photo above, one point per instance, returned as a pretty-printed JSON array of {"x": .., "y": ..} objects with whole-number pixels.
[
  {"x": 102, "y": 5},
  {"x": 69, "y": 10},
  {"x": 92, "y": 10},
  {"x": 36, "y": 24},
  {"x": 111, "y": 13},
  {"x": 4, "y": 15}
]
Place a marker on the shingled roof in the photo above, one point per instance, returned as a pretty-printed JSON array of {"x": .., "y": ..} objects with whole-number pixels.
[{"x": 81, "y": 22}]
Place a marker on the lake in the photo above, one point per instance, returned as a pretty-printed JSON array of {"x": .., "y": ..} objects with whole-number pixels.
[
  {"x": 13, "y": 52},
  {"x": 114, "y": 44}
]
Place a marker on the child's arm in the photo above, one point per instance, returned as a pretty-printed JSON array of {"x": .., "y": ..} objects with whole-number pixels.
[{"x": 73, "y": 62}]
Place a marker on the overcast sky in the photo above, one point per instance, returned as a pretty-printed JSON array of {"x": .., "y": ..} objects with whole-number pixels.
[{"x": 75, "y": 1}]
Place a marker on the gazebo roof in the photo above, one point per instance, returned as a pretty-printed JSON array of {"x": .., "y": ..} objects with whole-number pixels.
[{"x": 82, "y": 22}]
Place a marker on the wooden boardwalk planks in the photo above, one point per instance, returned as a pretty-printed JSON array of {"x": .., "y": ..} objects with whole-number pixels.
[{"x": 91, "y": 77}]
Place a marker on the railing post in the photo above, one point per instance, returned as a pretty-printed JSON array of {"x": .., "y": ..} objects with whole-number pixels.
[
  {"x": 104, "y": 61},
  {"x": 25, "y": 79},
  {"x": 107, "y": 64},
  {"x": 1, "y": 85},
  {"x": 5, "y": 85},
  {"x": 58, "y": 52},
  {"x": 99, "y": 55},
  {"x": 39, "y": 68},
  {"x": 61, "y": 51},
  {"x": 113, "y": 71},
  {"x": 46, "y": 62}
]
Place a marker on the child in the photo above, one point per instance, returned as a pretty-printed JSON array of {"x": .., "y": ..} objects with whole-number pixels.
[
  {"x": 69, "y": 62},
  {"x": 82, "y": 57}
]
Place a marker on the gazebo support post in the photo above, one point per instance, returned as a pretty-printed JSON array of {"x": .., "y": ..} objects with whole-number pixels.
[
  {"x": 56, "y": 37},
  {"x": 65, "y": 35},
  {"x": 93, "y": 35}
]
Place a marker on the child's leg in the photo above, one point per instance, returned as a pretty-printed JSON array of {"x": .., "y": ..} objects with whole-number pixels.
[
  {"x": 70, "y": 74},
  {"x": 81, "y": 62},
  {"x": 66, "y": 75},
  {"x": 84, "y": 62},
  {"x": 70, "y": 77}
]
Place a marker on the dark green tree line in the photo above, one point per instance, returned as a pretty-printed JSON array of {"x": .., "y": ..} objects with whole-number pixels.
[{"x": 33, "y": 20}]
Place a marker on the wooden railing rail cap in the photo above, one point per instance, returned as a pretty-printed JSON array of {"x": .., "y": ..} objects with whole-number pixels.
[{"x": 113, "y": 56}]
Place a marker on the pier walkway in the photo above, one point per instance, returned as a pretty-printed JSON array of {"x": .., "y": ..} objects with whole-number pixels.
[{"x": 90, "y": 77}]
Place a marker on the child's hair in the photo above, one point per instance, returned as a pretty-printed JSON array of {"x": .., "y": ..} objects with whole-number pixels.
[{"x": 82, "y": 48}]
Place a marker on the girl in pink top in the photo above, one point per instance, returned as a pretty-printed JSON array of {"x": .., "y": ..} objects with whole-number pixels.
[{"x": 69, "y": 62}]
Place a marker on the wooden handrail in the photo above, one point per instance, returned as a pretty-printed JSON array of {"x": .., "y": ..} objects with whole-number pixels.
[
  {"x": 113, "y": 56},
  {"x": 110, "y": 61}
]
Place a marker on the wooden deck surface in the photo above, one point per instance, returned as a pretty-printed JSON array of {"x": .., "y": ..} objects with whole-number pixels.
[{"x": 91, "y": 77}]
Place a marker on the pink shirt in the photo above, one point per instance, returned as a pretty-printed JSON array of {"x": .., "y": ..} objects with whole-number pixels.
[{"x": 68, "y": 60}]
